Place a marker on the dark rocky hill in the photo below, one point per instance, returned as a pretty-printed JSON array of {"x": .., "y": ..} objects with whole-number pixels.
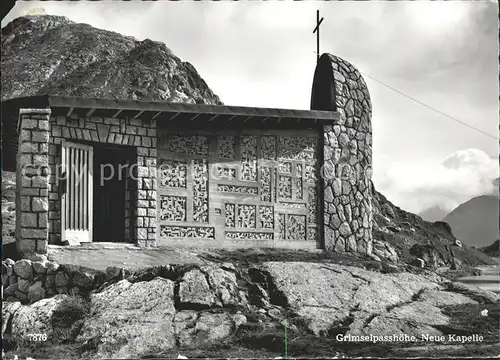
[
  {"x": 53, "y": 55},
  {"x": 492, "y": 250},
  {"x": 475, "y": 222},
  {"x": 434, "y": 213},
  {"x": 404, "y": 231}
]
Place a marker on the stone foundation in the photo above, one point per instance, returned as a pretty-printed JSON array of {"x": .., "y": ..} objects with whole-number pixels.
[{"x": 29, "y": 281}]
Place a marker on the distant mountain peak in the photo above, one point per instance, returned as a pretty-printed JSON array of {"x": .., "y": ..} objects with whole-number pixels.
[
  {"x": 434, "y": 213},
  {"x": 492, "y": 250},
  {"x": 475, "y": 222}
]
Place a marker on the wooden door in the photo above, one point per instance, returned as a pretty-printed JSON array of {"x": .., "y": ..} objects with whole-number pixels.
[
  {"x": 76, "y": 201},
  {"x": 109, "y": 195}
]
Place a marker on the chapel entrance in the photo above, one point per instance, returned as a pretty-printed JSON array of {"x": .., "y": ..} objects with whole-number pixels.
[
  {"x": 110, "y": 184},
  {"x": 97, "y": 191}
]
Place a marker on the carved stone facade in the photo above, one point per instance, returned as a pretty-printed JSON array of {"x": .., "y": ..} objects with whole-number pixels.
[
  {"x": 338, "y": 86},
  {"x": 234, "y": 186}
]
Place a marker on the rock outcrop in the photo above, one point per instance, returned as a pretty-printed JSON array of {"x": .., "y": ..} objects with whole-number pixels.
[
  {"x": 142, "y": 316},
  {"x": 148, "y": 313},
  {"x": 21, "y": 320},
  {"x": 333, "y": 299},
  {"x": 137, "y": 316},
  {"x": 402, "y": 230}
]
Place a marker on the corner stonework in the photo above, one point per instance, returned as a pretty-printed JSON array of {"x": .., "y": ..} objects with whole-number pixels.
[
  {"x": 146, "y": 202},
  {"x": 347, "y": 169},
  {"x": 32, "y": 182}
]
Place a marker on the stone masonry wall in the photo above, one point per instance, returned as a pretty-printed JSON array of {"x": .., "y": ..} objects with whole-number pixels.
[
  {"x": 28, "y": 281},
  {"x": 347, "y": 156},
  {"x": 32, "y": 182},
  {"x": 141, "y": 194}
]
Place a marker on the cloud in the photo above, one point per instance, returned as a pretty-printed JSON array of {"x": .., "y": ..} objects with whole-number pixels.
[
  {"x": 469, "y": 158},
  {"x": 417, "y": 186}
]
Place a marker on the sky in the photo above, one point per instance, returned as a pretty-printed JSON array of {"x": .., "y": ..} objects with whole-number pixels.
[{"x": 441, "y": 53}]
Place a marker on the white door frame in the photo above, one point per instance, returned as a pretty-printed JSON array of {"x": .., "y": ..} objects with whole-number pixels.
[{"x": 77, "y": 197}]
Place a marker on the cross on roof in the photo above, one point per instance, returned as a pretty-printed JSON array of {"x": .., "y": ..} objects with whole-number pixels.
[{"x": 316, "y": 30}]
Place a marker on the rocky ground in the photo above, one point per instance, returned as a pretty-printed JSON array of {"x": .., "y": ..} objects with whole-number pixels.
[
  {"x": 228, "y": 310},
  {"x": 268, "y": 298}
]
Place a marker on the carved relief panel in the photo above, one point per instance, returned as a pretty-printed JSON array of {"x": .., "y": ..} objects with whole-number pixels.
[{"x": 238, "y": 186}]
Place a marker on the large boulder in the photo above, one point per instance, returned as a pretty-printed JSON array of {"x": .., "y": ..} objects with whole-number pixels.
[
  {"x": 195, "y": 292},
  {"x": 8, "y": 311},
  {"x": 40, "y": 267},
  {"x": 385, "y": 251},
  {"x": 36, "y": 292},
  {"x": 35, "y": 318},
  {"x": 83, "y": 279},
  {"x": 23, "y": 269},
  {"x": 428, "y": 253},
  {"x": 132, "y": 320},
  {"x": 225, "y": 286},
  {"x": 194, "y": 330}
]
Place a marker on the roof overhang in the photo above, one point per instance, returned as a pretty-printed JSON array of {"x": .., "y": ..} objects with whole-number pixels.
[{"x": 165, "y": 114}]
